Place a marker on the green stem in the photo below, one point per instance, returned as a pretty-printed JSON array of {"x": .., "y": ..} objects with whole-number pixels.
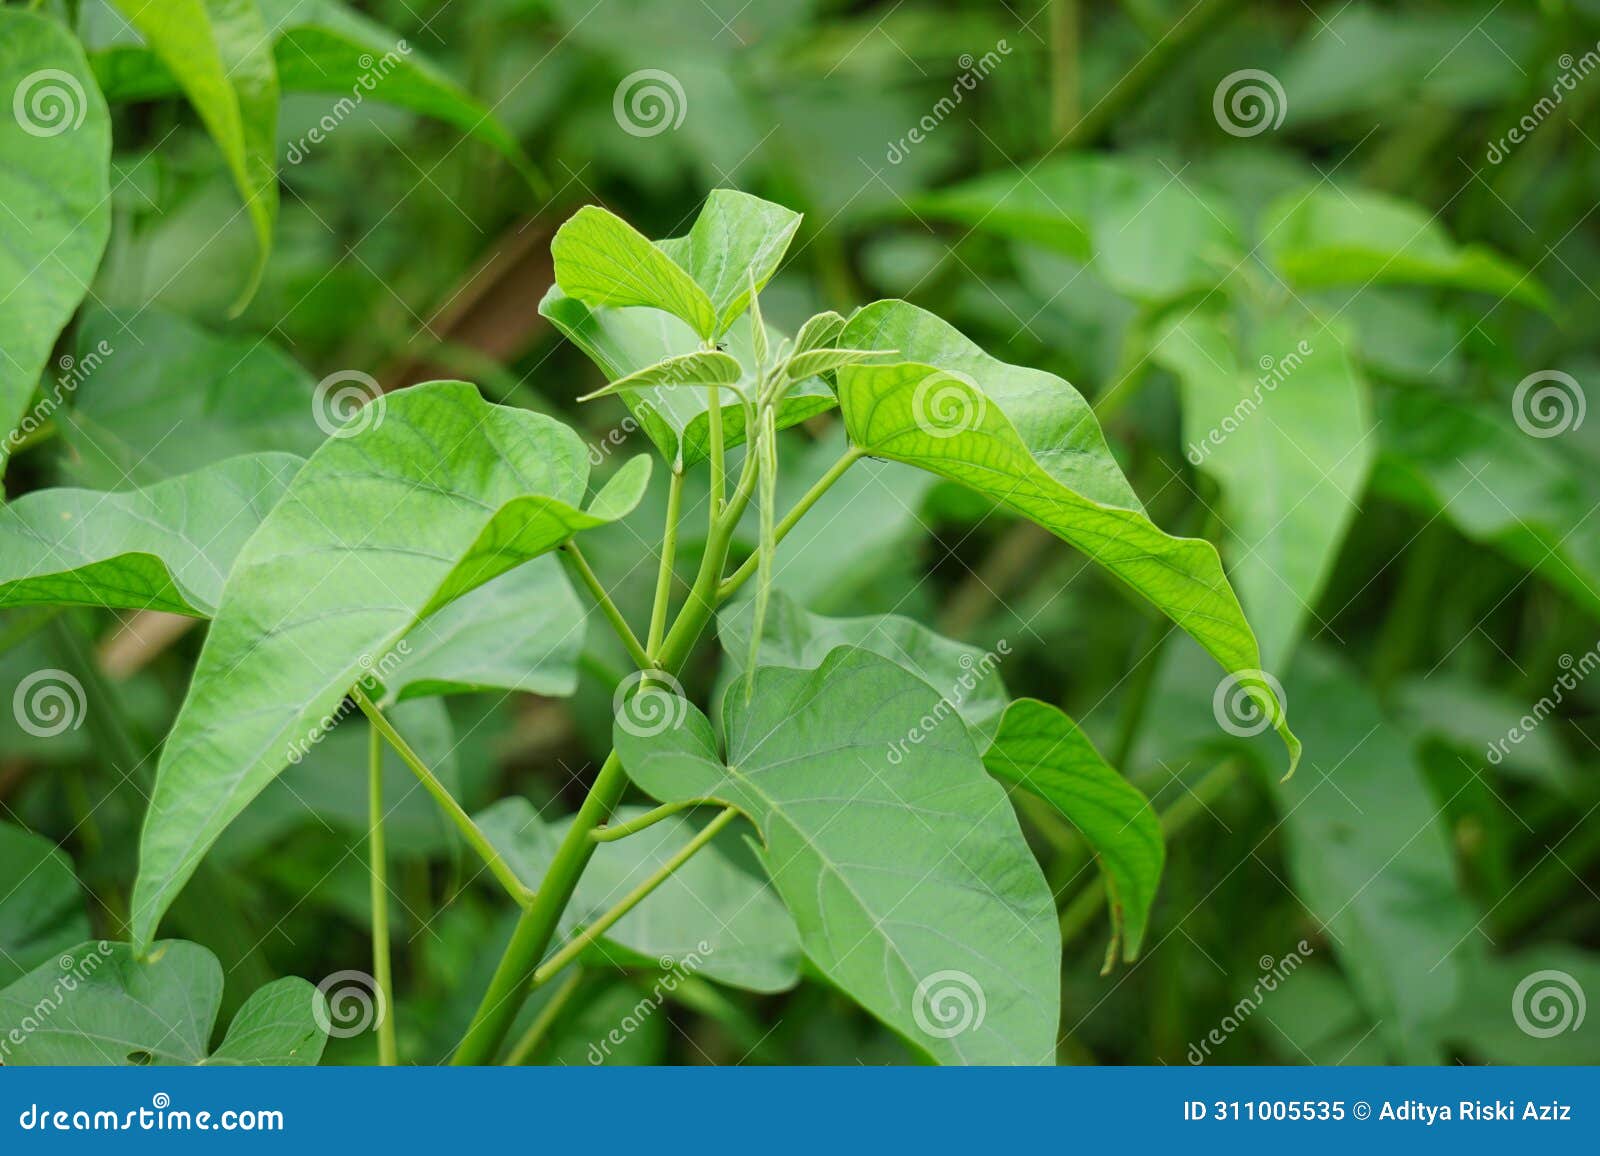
[
  {"x": 836, "y": 471},
  {"x": 382, "y": 976},
  {"x": 470, "y": 831},
  {"x": 1064, "y": 35},
  {"x": 522, "y": 1050},
  {"x": 587, "y": 576},
  {"x": 718, "y": 462},
  {"x": 579, "y": 943},
  {"x": 610, "y": 834},
  {"x": 538, "y": 924},
  {"x": 669, "y": 549}
]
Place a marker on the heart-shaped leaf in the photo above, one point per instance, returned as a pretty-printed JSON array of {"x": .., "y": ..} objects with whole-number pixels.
[
  {"x": 55, "y": 158},
  {"x": 733, "y": 248},
  {"x": 100, "y": 1005},
  {"x": 167, "y": 547},
  {"x": 601, "y": 260},
  {"x": 908, "y": 878},
  {"x": 425, "y": 496}
]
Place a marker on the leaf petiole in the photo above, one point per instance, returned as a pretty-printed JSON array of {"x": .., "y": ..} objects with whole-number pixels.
[
  {"x": 634, "y": 826},
  {"x": 377, "y": 862},
  {"x": 807, "y": 500},
  {"x": 591, "y": 581}
]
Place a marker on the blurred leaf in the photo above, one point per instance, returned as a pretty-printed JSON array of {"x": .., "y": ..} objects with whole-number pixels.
[
  {"x": 941, "y": 420},
  {"x": 1330, "y": 236},
  {"x": 1276, "y": 412},
  {"x": 1528, "y": 1007},
  {"x": 219, "y": 53},
  {"x": 1040, "y": 749},
  {"x": 912, "y": 886},
  {"x": 41, "y": 908},
  {"x": 716, "y": 916},
  {"x": 1473, "y": 719},
  {"x": 109, "y": 1008},
  {"x": 168, "y": 546},
  {"x": 54, "y": 180},
  {"x": 423, "y": 497}
]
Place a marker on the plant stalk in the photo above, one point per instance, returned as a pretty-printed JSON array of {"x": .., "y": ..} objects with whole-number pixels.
[
  {"x": 669, "y": 548},
  {"x": 382, "y": 975},
  {"x": 836, "y": 471},
  {"x": 580, "y": 565},
  {"x": 610, "y": 834}
]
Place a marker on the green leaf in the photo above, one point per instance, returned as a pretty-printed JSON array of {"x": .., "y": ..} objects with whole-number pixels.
[
  {"x": 99, "y": 1005},
  {"x": 818, "y": 332},
  {"x": 702, "y": 367},
  {"x": 220, "y": 54},
  {"x": 1371, "y": 860},
  {"x": 1040, "y": 749},
  {"x": 624, "y": 341},
  {"x": 1275, "y": 410},
  {"x": 55, "y": 161},
  {"x": 167, "y": 547},
  {"x": 717, "y": 911},
  {"x": 732, "y": 250},
  {"x": 600, "y": 259},
  {"x": 816, "y": 362},
  {"x": 1336, "y": 237},
  {"x": 1026, "y": 440},
  {"x": 422, "y": 498},
  {"x": 1542, "y": 988},
  {"x": 41, "y": 907},
  {"x": 128, "y": 424},
  {"x": 909, "y": 879},
  {"x": 1147, "y": 231},
  {"x": 793, "y": 636}
]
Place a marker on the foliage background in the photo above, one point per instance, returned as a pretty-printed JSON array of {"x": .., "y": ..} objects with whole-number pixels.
[{"x": 1453, "y": 558}]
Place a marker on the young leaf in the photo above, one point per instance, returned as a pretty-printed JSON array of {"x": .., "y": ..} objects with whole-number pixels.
[
  {"x": 1011, "y": 443},
  {"x": 702, "y": 367},
  {"x": 55, "y": 154},
  {"x": 410, "y": 507},
  {"x": 733, "y": 249},
  {"x": 816, "y": 362},
  {"x": 1335, "y": 237},
  {"x": 108, "y": 1008},
  {"x": 220, "y": 54},
  {"x": 1041, "y": 750},
  {"x": 41, "y": 908},
  {"x": 716, "y": 907},
  {"x": 167, "y": 547},
  {"x": 601, "y": 260},
  {"x": 908, "y": 878},
  {"x": 624, "y": 341},
  {"x": 818, "y": 332},
  {"x": 1276, "y": 411}
]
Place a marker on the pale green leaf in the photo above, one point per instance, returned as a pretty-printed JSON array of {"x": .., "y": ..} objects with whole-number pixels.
[
  {"x": 816, "y": 362},
  {"x": 41, "y": 908},
  {"x": 702, "y": 367},
  {"x": 1276, "y": 411},
  {"x": 1331, "y": 237},
  {"x": 55, "y": 160},
  {"x": 733, "y": 249},
  {"x": 421, "y": 499},
  {"x": 601, "y": 260},
  {"x": 717, "y": 908},
  {"x": 818, "y": 332},
  {"x": 100, "y": 1005},
  {"x": 910, "y": 881},
  {"x": 168, "y": 546},
  {"x": 1026, "y": 440},
  {"x": 220, "y": 54},
  {"x": 1040, "y": 749}
]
